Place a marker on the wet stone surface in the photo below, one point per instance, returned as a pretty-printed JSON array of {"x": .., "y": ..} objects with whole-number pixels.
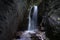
[{"x": 31, "y": 36}]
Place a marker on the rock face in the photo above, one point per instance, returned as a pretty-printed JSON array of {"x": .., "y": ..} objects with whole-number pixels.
[
  {"x": 11, "y": 13},
  {"x": 51, "y": 19}
]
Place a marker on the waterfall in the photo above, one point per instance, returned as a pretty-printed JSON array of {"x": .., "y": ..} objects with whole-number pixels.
[
  {"x": 32, "y": 24},
  {"x": 32, "y": 27}
]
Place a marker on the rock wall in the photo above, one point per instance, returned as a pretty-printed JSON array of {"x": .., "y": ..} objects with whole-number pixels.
[
  {"x": 51, "y": 7},
  {"x": 11, "y": 13}
]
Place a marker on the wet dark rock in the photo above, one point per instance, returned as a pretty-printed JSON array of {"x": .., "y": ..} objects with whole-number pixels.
[
  {"x": 11, "y": 13},
  {"x": 51, "y": 24}
]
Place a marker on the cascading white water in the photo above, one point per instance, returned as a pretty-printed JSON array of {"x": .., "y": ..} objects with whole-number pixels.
[{"x": 32, "y": 24}]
